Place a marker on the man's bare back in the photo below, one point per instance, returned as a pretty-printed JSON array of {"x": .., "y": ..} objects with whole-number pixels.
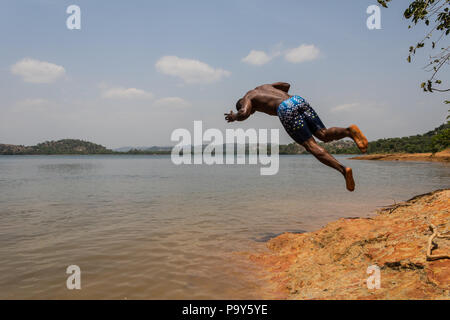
[
  {"x": 300, "y": 121},
  {"x": 265, "y": 98}
]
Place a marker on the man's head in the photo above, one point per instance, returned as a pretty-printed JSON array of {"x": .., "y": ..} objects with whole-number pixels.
[{"x": 239, "y": 104}]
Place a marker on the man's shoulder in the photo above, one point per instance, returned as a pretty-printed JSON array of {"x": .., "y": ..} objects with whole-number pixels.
[
  {"x": 266, "y": 85},
  {"x": 259, "y": 89}
]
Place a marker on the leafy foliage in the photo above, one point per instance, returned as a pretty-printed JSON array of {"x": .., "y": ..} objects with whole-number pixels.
[
  {"x": 436, "y": 11},
  {"x": 441, "y": 141}
]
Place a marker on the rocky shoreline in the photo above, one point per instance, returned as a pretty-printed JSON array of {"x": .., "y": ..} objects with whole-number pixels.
[
  {"x": 443, "y": 156},
  {"x": 332, "y": 263}
]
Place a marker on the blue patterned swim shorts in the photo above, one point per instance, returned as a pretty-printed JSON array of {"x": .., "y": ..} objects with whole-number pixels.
[{"x": 299, "y": 119}]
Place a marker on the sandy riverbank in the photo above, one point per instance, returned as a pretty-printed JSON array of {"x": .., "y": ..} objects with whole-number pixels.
[
  {"x": 443, "y": 156},
  {"x": 332, "y": 263}
]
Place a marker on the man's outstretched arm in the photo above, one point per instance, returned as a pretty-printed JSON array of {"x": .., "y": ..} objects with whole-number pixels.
[
  {"x": 284, "y": 86},
  {"x": 244, "y": 112}
]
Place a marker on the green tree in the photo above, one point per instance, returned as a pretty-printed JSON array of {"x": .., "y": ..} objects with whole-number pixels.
[{"x": 441, "y": 141}]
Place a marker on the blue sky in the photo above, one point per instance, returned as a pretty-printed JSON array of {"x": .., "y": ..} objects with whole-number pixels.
[{"x": 137, "y": 70}]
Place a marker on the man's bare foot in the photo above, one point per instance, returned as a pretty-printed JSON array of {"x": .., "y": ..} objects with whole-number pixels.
[
  {"x": 349, "y": 179},
  {"x": 359, "y": 138}
]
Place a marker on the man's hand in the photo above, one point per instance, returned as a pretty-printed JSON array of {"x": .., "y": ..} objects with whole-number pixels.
[{"x": 230, "y": 117}]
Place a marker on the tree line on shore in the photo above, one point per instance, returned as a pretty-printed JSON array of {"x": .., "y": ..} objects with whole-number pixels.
[{"x": 432, "y": 141}]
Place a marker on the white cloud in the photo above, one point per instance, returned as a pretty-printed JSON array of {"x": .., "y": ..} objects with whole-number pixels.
[
  {"x": 345, "y": 107},
  {"x": 126, "y": 93},
  {"x": 36, "y": 71},
  {"x": 190, "y": 71},
  {"x": 305, "y": 52},
  {"x": 172, "y": 102},
  {"x": 257, "y": 58}
]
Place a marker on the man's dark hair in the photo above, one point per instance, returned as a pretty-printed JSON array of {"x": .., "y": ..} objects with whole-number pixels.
[{"x": 239, "y": 104}]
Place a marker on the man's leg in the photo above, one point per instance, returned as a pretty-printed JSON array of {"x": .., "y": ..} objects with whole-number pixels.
[
  {"x": 353, "y": 132},
  {"x": 319, "y": 130},
  {"x": 323, "y": 156},
  {"x": 332, "y": 134}
]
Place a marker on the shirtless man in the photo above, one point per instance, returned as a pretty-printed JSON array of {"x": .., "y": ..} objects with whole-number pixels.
[{"x": 300, "y": 121}]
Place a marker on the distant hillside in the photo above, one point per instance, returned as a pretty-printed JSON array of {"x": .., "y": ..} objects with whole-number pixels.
[
  {"x": 145, "y": 150},
  {"x": 334, "y": 147},
  {"x": 65, "y": 146},
  {"x": 75, "y": 146},
  {"x": 432, "y": 141},
  {"x": 149, "y": 149}
]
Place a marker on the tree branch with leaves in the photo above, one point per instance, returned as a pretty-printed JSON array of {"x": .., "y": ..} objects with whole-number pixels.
[{"x": 435, "y": 13}]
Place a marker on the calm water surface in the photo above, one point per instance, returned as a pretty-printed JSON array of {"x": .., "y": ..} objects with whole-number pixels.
[{"x": 140, "y": 227}]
